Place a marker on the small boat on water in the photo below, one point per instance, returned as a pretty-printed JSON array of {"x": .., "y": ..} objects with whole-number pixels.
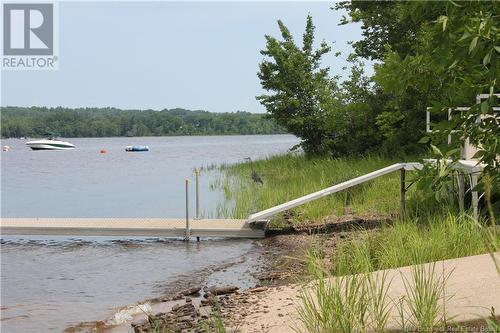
[
  {"x": 50, "y": 144},
  {"x": 137, "y": 148}
]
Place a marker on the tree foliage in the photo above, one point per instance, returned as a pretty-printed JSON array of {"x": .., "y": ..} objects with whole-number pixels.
[
  {"x": 454, "y": 59},
  {"x": 381, "y": 25},
  {"x": 428, "y": 53},
  {"x": 107, "y": 122},
  {"x": 390, "y": 25},
  {"x": 302, "y": 96},
  {"x": 440, "y": 54},
  {"x": 330, "y": 117}
]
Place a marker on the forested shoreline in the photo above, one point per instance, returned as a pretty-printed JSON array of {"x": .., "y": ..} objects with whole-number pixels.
[{"x": 112, "y": 122}]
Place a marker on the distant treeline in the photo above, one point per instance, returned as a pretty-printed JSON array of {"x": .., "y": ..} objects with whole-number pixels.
[{"x": 107, "y": 122}]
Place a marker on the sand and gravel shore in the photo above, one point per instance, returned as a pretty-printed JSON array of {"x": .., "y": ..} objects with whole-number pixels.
[
  {"x": 271, "y": 304},
  {"x": 473, "y": 287}
]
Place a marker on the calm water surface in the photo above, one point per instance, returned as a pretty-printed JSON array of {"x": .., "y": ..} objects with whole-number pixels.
[
  {"x": 85, "y": 183},
  {"x": 50, "y": 283}
]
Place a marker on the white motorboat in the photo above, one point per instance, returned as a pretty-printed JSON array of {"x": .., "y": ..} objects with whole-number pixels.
[{"x": 50, "y": 144}]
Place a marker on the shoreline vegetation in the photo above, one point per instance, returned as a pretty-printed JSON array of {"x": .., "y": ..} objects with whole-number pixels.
[
  {"x": 370, "y": 270},
  {"x": 440, "y": 57},
  {"x": 112, "y": 122}
]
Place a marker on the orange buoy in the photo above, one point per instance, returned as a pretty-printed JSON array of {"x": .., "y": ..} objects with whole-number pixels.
[{"x": 103, "y": 151}]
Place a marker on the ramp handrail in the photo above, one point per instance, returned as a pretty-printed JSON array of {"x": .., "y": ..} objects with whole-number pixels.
[{"x": 330, "y": 190}]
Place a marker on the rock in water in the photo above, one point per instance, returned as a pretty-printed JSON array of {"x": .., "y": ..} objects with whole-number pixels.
[{"x": 223, "y": 290}]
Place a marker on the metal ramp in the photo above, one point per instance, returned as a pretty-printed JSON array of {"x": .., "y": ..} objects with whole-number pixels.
[
  {"x": 334, "y": 189},
  {"x": 469, "y": 167}
]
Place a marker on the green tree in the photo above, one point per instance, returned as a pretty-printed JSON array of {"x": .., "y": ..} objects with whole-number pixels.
[
  {"x": 454, "y": 59},
  {"x": 389, "y": 25},
  {"x": 385, "y": 23},
  {"x": 302, "y": 94},
  {"x": 354, "y": 128}
]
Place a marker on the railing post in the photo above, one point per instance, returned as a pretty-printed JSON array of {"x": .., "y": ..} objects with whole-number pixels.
[
  {"x": 461, "y": 192},
  {"x": 402, "y": 207},
  {"x": 475, "y": 196},
  {"x": 188, "y": 231},
  {"x": 197, "y": 174},
  {"x": 451, "y": 190}
]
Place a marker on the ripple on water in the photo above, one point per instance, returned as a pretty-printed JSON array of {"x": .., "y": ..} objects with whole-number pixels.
[{"x": 50, "y": 284}]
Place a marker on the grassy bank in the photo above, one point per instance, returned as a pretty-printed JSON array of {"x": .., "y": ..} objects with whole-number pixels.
[
  {"x": 409, "y": 242},
  {"x": 290, "y": 176},
  {"x": 429, "y": 233}
]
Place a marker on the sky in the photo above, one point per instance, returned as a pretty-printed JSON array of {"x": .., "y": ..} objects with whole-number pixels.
[{"x": 157, "y": 55}]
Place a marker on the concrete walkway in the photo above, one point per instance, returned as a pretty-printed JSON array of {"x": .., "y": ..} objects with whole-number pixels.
[{"x": 473, "y": 285}]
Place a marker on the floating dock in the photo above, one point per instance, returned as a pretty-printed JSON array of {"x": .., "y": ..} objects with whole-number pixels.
[{"x": 139, "y": 227}]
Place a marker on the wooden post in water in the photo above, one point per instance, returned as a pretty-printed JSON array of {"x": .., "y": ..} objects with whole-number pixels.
[
  {"x": 402, "y": 193},
  {"x": 197, "y": 174},
  {"x": 188, "y": 231}
]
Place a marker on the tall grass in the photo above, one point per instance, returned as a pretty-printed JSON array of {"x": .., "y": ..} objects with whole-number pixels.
[
  {"x": 355, "y": 303},
  {"x": 159, "y": 326},
  {"x": 425, "y": 297},
  {"x": 410, "y": 242},
  {"x": 287, "y": 177},
  {"x": 360, "y": 302}
]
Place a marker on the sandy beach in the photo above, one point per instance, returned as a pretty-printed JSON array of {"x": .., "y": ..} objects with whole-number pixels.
[
  {"x": 473, "y": 287},
  {"x": 472, "y": 290}
]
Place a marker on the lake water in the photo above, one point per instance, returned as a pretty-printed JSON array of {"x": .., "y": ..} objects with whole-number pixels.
[
  {"x": 50, "y": 283},
  {"x": 85, "y": 183}
]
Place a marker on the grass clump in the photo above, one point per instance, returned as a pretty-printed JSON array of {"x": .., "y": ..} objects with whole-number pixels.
[
  {"x": 345, "y": 295},
  {"x": 360, "y": 302},
  {"x": 355, "y": 303},
  {"x": 425, "y": 298}
]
